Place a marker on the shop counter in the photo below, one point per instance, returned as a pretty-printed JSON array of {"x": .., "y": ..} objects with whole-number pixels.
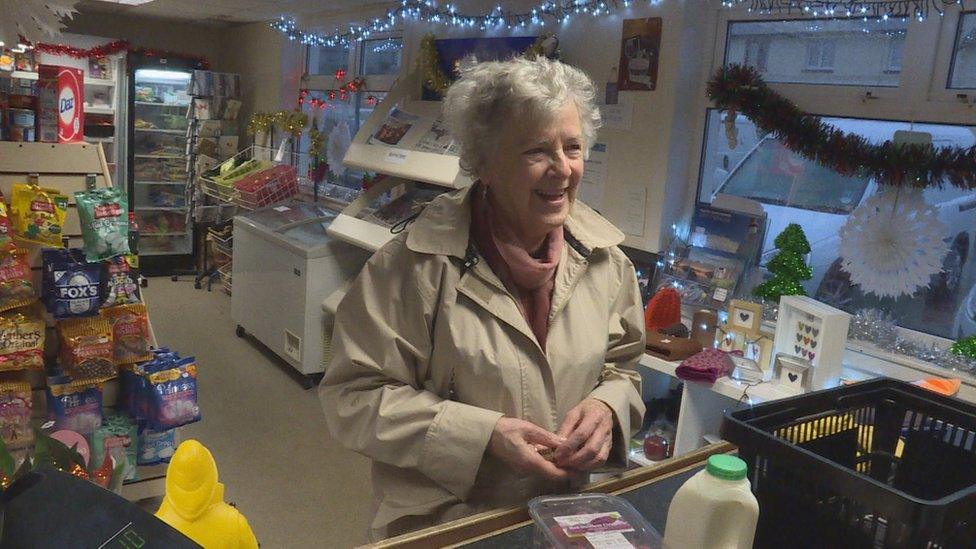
[{"x": 648, "y": 489}]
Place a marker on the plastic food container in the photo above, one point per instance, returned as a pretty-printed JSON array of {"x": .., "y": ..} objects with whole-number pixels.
[{"x": 585, "y": 521}]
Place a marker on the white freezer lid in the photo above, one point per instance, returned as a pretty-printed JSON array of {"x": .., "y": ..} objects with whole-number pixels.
[{"x": 299, "y": 226}]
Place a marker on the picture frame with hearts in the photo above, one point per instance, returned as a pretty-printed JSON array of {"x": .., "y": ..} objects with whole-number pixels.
[
  {"x": 813, "y": 332},
  {"x": 792, "y": 373}
]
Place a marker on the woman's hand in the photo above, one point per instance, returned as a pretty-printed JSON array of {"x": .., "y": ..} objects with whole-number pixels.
[
  {"x": 587, "y": 431},
  {"x": 517, "y": 443}
]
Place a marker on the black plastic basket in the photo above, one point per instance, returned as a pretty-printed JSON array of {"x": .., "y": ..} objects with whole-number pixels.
[{"x": 880, "y": 463}]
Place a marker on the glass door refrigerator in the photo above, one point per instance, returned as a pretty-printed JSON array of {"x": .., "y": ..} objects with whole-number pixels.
[{"x": 157, "y": 161}]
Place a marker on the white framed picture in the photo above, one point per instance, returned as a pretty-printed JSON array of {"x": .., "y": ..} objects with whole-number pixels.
[
  {"x": 792, "y": 373},
  {"x": 815, "y": 332}
]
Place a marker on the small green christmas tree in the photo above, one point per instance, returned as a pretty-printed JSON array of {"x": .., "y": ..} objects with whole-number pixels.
[{"x": 788, "y": 267}]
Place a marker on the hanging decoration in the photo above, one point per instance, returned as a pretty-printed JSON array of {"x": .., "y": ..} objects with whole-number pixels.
[
  {"x": 448, "y": 15},
  {"x": 546, "y": 45},
  {"x": 32, "y": 19},
  {"x": 885, "y": 9},
  {"x": 291, "y": 122},
  {"x": 339, "y": 141},
  {"x": 260, "y": 122},
  {"x": 64, "y": 50},
  {"x": 111, "y": 48},
  {"x": 892, "y": 244},
  {"x": 875, "y": 327},
  {"x": 740, "y": 88}
]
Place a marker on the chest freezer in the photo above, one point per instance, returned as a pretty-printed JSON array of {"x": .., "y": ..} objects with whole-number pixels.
[{"x": 284, "y": 266}]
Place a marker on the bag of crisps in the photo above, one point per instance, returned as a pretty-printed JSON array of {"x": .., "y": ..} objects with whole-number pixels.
[
  {"x": 6, "y": 236},
  {"x": 22, "y": 339},
  {"x": 16, "y": 287},
  {"x": 86, "y": 348},
  {"x": 15, "y": 410},
  {"x": 38, "y": 214},
  {"x": 131, "y": 340}
]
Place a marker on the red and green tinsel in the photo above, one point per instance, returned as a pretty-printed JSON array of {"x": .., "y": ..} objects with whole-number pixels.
[{"x": 740, "y": 89}]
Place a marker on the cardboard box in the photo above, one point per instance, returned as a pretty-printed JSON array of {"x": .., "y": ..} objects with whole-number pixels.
[{"x": 61, "y": 96}]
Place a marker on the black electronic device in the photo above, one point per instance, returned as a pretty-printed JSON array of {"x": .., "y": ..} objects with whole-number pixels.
[{"x": 49, "y": 508}]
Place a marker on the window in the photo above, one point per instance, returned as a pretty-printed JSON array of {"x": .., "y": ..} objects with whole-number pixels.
[
  {"x": 820, "y": 54},
  {"x": 823, "y": 51},
  {"x": 895, "y": 49},
  {"x": 795, "y": 190},
  {"x": 963, "y": 73},
  {"x": 327, "y": 60},
  {"x": 757, "y": 52},
  {"x": 381, "y": 56}
]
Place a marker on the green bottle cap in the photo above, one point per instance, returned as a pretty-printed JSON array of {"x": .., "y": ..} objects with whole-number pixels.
[{"x": 726, "y": 467}]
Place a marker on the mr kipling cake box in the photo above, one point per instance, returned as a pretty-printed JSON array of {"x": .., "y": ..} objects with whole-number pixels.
[{"x": 61, "y": 97}]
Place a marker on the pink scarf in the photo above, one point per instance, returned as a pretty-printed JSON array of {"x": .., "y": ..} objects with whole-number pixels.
[{"x": 531, "y": 280}]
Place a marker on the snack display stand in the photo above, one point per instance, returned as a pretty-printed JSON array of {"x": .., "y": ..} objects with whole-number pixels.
[{"x": 69, "y": 168}]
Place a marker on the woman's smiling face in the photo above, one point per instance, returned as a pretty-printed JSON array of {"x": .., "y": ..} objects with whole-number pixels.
[{"x": 534, "y": 177}]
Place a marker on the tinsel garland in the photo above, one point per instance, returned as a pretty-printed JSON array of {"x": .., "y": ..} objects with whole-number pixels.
[
  {"x": 739, "y": 88},
  {"x": 260, "y": 122},
  {"x": 429, "y": 64},
  {"x": 876, "y": 327},
  {"x": 292, "y": 122},
  {"x": 104, "y": 50},
  {"x": 879, "y": 328},
  {"x": 965, "y": 347},
  {"x": 113, "y": 47}
]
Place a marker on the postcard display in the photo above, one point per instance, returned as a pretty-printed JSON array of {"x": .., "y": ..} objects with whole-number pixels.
[
  {"x": 720, "y": 251},
  {"x": 212, "y": 136}
]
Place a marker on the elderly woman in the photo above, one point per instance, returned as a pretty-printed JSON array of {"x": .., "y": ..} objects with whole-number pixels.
[{"x": 487, "y": 356}]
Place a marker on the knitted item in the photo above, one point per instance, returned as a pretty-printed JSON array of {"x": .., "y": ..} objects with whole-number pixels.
[
  {"x": 707, "y": 366},
  {"x": 663, "y": 310}
]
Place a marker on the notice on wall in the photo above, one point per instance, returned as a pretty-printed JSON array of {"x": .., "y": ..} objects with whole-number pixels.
[
  {"x": 618, "y": 116},
  {"x": 592, "y": 190},
  {"x": 632, "y": 211}
]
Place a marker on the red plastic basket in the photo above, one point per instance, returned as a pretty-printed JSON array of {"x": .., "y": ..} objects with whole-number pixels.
[{"x": 266, "y": 187}]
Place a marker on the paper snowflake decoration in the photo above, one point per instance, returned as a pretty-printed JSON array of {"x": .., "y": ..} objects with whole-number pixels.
[
  {"x": 34, "y": 19},
  {"x": 892, "y": 244},
  {"x": 339, "y": 141}
]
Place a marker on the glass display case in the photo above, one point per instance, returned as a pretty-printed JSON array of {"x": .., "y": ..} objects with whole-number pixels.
[{"x": 158, "y": 148}]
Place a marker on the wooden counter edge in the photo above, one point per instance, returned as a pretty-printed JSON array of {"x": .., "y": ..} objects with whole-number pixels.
[{"x": 474, "y": 527}]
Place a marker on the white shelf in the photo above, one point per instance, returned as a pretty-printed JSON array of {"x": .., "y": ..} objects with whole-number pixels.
[
  {"x": 150, "y": 235},
  {"x": 725, "y": 386},
  {"x": 180, "y": 183},
  {"x": 152, "y": 104},
  {"x": 99, "y": 110},
  {"x": 161, "y": 208},
  {"x": 26, "y": 75},
  {"x": 160, "y": 130},
  {"x": 161, "y": 156},
  {"x": 364, "y": 234}
]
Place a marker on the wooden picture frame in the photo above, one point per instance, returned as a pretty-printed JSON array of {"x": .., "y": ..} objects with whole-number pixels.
[
  {"x": 792, "y": 373},
  {"x": 815, "y": 332},
  {"x": 744, "y": 317}
]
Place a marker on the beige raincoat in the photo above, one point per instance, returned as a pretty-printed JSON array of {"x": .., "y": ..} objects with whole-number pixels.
[{"x": 423, "y": 312}]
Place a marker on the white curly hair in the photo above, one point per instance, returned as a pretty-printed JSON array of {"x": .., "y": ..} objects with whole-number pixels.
[{"x": 481, "y": 105}]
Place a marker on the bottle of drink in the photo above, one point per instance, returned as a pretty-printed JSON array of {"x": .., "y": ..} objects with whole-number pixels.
[{"x": 715, "y": 509}]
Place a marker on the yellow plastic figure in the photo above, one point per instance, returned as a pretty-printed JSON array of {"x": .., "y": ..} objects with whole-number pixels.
[{"x": 194, "y": 502}]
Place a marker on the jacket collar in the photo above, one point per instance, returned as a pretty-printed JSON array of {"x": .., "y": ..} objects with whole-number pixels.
[{"x": 443, "y": 227}]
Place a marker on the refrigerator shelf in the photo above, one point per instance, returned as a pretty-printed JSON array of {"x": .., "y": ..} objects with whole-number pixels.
[
  {"x": 161, "y": 156},
  {"x": 161, "y": 130},
  {"x": 161, "y": 208},
  {"x": 180, "y": 183},
  {"x": 153, "y": 104}
]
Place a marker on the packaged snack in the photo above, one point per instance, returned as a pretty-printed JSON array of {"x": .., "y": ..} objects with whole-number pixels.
[
  {"x": 120, "y": 281},
  {"x": 15, "y": 411},
  {"x": 174, "y": 396},
  {"x": 119, "y": 437},
  {"x": 86, "y": 348},
  {"x": 22, "y": 339},
  {"x": 16, "y": 288},
  {"x": 70, "y": 284},
  {"x": 38, "y": 214},
  {"x": 131, "y": 340},
  {"x": 155, "y": 447},
  {"x": 74, "y": 405},
  {"x": 104, "y": 223},
  {"x": 6, "y": 236}
]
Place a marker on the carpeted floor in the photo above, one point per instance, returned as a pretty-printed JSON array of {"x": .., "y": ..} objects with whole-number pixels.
[{"x": 279, "y": 464}]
